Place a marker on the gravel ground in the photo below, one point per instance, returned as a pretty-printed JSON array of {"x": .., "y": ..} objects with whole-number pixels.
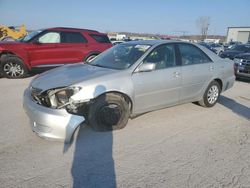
[{"x": 182, "y": 146}]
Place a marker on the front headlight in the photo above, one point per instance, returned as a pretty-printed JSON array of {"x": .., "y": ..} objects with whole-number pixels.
[
  {"x": 64, "y": 95},
  {"x": 238, "y": 61}
]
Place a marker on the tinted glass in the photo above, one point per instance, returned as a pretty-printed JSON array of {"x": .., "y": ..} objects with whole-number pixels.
[
  {"x": 192, "y": 55},
  {"x": 50, "y": 37},
  {"x": 162, "y": 56},
  {"x": 73, "y": 37},
  {"x": 121, "y": 56},
  {"x": 100, "y": 38}
]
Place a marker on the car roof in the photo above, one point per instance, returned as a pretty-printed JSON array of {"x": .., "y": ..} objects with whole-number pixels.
[{"x": 72, "y": 29}]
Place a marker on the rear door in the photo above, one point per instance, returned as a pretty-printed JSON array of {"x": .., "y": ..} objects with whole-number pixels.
[
  {"x": 197, "y": 70},
  {"x": 72, "y": 47},
  {"x": 160, "y": 87}
]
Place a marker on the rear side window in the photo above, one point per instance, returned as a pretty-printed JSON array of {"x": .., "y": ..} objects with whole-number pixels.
[
  {"x": 100, "y": 38},
  {"x": 73, "y": 37},
  {"x": 191, "y": 55}
]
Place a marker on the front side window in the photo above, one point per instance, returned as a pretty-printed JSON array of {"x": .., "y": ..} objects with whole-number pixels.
[
  {"x": 162, "y": 56},
  {"x": 50, "y": 37},
  {"x": 121, "y": 56},
  {"x": 73, "y": 37},
  {"x": 191, "y": 55}
]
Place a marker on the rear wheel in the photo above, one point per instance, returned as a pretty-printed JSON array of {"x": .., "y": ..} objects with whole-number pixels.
[
  {"x": 13, "y": 67},
  {"x": 109, "y": 112},
  {"x": 211, "y": 94}
]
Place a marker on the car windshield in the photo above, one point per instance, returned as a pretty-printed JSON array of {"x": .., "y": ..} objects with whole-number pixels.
[
  {"x": 30, "y": 36},
  {"x": 121, "y": 56}
]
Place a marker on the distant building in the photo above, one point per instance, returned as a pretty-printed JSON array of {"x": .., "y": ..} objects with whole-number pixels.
[{"x": 240, "y": 34}]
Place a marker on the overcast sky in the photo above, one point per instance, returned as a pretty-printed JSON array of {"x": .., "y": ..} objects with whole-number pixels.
[{"x": 145, "y": 16}]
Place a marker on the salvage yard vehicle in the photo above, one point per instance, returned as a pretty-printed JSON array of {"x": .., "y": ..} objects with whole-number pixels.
[
  {"x": 48, "y": 48},
  {"x": 124, "y": 81},
  {"x": 242, "y": 65},
  {"x": 235, "y": 50}
]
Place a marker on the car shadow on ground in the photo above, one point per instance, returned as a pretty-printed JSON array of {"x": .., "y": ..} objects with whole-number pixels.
[
  {"x": 93, "y": 164},
  {"x": 236, "y": 107}
]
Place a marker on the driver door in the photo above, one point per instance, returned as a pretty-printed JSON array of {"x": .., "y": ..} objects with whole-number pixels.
[
  {"x": 44, "y": 51},
  {"x": 160, "y": 87}
]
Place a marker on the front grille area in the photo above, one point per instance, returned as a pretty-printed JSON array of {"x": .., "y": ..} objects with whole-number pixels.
[{"x": 40, "y": 97}]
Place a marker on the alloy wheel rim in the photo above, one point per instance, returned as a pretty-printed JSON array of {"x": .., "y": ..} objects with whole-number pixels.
[
  {"x": 212, "y": 94},
  {"x": 13, "y": 69}
]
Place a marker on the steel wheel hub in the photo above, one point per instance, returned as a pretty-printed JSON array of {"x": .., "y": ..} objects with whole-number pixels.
[
  {"x": 109, "y": 115},
  {"x": 213, "y": 94}
]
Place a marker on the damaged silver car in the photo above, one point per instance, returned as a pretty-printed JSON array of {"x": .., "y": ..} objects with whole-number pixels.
[{"x": 126, "y": 80}]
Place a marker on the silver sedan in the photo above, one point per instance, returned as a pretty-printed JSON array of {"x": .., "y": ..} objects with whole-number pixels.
[{"x": 124, "y": 81}]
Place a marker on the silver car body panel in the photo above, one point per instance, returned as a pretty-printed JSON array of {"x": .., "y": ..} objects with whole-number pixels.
[
  {"x": 49, "y": 123},
  {"x": 146, "y": 90}
]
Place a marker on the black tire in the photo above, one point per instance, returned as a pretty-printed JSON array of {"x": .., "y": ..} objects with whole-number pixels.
[
  {"x": 90, "y": 58},
  {"x": 109, "y": 112},
  {"x": 211, "y": 95},
  {"x": 19, "y": 70}
]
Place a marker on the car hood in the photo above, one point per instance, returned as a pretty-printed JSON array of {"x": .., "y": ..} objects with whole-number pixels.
[
  {"x": 9, "y": 43},
  {"x": 244, "y": 56},
  {"x": 231, "y": 52},
  {"x": 6, "y": 44},
  {"x": 68, "y": 75}
]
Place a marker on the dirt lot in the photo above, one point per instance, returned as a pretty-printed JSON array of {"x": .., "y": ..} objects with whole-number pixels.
[{"x": 182, "y": 146}]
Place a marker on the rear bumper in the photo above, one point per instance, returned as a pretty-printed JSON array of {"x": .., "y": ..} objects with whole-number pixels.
[{"x": 56, "y": 124}]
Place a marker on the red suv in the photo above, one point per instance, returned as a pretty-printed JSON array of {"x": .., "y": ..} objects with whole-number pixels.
[{"x": 50, "y": 48}]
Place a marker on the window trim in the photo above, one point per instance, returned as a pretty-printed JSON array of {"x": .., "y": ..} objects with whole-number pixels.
[
  {"x": 179, "y": 53},
  {"x": 35, "y": 38}
]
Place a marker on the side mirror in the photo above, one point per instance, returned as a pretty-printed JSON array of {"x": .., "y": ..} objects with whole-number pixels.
[{"x": 146, "y": 67}]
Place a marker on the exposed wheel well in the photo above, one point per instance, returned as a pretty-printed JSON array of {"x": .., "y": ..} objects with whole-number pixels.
[
  {"x": 219, "y": 82},
  {"x": 126, "y": 97}
]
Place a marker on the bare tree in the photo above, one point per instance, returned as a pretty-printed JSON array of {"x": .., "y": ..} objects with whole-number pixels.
[{"x": 203, "y": 24}]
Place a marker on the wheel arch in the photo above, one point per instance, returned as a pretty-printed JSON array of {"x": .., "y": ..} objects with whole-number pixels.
[
  {"x": 90, "y": 54},
  {"x": 5, "y": 54},
  {"x": 125, "y": 96},
  {"x": 219, "y": 82}
]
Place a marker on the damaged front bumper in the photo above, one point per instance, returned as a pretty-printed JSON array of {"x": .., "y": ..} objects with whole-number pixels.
[{"x": 56, "y": 124}]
